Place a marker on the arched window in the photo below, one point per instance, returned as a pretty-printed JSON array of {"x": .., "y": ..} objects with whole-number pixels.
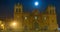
[{"x": 17, "y": 10}]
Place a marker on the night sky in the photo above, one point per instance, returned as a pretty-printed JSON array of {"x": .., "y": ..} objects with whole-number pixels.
[{"x": 7, "y": 7}]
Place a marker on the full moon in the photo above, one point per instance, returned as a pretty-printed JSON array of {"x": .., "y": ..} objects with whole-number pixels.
[{"x": 36, "y": 3}]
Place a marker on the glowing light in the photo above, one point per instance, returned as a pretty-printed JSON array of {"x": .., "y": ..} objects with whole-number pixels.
[
  {"x": 25, "y": 18},
  {"x": 14, "y": 24},
  {"x": 2, "y": 25},
  {"x": 35, "y": 17},
  {"x": 36, "y": 3}
]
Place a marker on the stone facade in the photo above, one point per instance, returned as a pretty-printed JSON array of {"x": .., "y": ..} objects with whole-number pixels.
[{"x": 36, "y": 21}]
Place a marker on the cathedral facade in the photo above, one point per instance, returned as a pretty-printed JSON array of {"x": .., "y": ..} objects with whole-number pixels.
[{"x": 36, "y": 21}]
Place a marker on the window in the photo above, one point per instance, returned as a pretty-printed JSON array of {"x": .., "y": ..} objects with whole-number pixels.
[
  {"x": 36, "y": 17},
  {"x": 17, "y": 10},
  {"x": 25, "y": 17},
  {"x": 50, "y": 11}
]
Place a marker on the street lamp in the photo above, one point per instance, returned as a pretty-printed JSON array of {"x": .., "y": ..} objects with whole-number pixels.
[
  {"x": 2, "y": 26},
  {"x": 14, "y": 24}
]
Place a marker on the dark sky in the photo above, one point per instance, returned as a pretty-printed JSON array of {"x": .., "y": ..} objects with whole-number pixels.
[{"x": 7, "y": 6}]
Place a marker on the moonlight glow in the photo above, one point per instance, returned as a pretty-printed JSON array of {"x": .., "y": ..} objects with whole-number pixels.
[{"x": 36, "y": 3}]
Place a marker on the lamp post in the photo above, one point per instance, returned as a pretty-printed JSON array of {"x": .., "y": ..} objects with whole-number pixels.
[
  {"x": 13, "y": 24},
  {"x": 16, "y": 25},
  {"x": 2, "y": 26}
]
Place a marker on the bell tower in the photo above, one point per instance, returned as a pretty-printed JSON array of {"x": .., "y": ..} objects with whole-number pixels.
[
  {"x": 18, "y": 15},
  {"x": 52, "y": 18},
  {"x": 18, "y": 8},
  {"x": 51, "y": 9},
  {"x": 17, "y": 11}
]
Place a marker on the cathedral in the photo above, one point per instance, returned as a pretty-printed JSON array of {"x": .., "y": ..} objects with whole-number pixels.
[{"x": 36, "y": 21}]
